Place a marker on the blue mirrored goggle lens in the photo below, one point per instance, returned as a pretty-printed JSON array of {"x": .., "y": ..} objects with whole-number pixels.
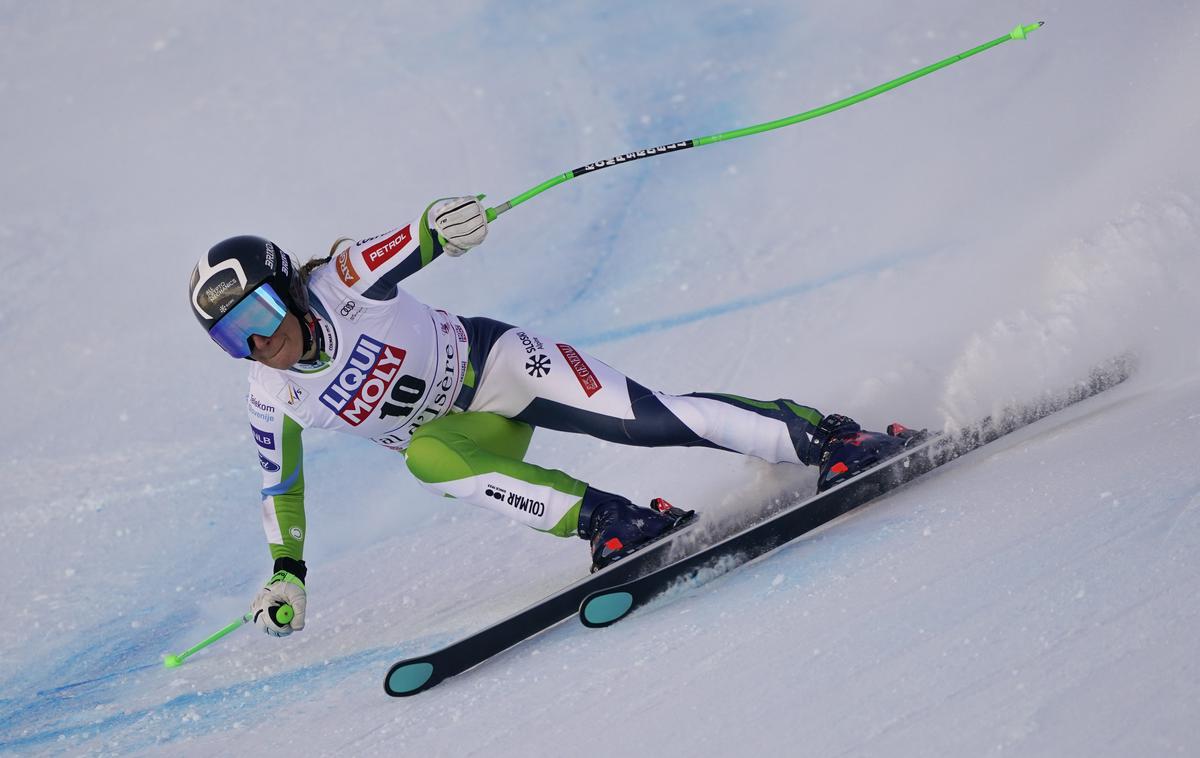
[{"x": 261, "y": 312}]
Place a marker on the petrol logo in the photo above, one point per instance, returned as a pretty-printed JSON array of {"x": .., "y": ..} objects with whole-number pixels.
[{"x": 378, "y": 254}]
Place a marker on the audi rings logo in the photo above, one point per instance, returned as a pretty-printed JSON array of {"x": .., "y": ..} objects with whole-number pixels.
[
  {"x": 538, "y": 366},
  {"x": 347, "y": 307}
]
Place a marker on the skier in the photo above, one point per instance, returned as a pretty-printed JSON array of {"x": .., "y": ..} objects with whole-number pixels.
[{"x": 336, "y": 344}]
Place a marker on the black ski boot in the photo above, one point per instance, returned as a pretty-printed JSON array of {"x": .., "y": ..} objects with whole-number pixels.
[
  {"x": 616, "y": 527},
  {"x": 847, "y": 450}
]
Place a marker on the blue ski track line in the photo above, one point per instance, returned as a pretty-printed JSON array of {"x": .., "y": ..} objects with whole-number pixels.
[
  {"x": 583, "y": 293},
  {"x": 64, "y": 715},
  {"x": 744, "y": 303}
]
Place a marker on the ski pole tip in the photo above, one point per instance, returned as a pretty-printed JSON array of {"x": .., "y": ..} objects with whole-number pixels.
[
  {"x": 1020, "y": 32},
  {"x": 171, "y": 661}
]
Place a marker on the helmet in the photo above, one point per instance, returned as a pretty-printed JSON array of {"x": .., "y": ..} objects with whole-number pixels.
[{"x": 244, "y": 286}]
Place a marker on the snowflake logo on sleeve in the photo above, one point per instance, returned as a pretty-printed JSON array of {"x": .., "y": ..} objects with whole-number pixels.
[{"x": 538, "y": 366}]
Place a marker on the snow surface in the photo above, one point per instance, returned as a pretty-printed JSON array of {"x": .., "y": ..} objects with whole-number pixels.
[{"x": 961, "y": 243}]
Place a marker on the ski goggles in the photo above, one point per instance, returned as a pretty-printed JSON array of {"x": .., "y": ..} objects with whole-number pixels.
[{"x": 261, "y": 312}]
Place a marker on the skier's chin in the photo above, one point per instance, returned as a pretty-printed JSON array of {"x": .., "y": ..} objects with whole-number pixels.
[{"x": 283, "y": 358}]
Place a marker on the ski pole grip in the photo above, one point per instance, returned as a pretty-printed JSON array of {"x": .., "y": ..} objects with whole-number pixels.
[
  {"x": 282, "y": 614},
  {"x": 488, "y": 213}
]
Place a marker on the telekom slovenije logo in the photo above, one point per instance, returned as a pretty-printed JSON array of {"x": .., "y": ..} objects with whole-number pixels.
[{"x": 363, "y": 382}]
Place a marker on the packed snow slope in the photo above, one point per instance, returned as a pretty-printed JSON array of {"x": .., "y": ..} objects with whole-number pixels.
[{"x": 967, "y": 241}]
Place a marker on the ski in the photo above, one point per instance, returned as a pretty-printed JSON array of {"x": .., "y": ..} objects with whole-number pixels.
[
  {"x": 609, "y": 604},
  {"x": 413, "y": 675}
]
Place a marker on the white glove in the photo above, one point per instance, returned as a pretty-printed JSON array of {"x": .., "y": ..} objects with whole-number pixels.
[
  {"x": 460, "y": 223},
  {"x": 282, "y": 589}
]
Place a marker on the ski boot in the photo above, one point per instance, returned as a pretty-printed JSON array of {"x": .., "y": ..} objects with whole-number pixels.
[
  {"x": 847, "y": 450},
  {"x": 616, "y": 527}
]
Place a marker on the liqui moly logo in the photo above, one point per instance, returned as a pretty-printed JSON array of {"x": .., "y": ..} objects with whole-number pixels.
[{"x": 363, "y": 382}]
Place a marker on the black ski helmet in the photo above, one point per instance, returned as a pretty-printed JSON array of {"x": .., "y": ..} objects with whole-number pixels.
[{"x": 236, "y": 267}]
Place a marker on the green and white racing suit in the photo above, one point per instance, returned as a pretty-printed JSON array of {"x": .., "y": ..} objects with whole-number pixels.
[{"x": 460, "y": 397}]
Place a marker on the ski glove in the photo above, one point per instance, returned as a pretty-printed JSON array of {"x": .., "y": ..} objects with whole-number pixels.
[
  {"x": 283, "y": 588},
  {"x": 459, "y": 222}
]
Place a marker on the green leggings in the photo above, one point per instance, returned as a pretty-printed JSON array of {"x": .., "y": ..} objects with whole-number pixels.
[{"x": 479, "y": 457}]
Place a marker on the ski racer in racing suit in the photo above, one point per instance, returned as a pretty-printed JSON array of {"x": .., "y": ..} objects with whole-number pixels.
[{"x": 339, "y": 345}]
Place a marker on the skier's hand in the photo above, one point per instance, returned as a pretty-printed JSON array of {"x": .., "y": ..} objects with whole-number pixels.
[
  {"x": 283, "y": 588},
  {"x": 460, "y": 223}
]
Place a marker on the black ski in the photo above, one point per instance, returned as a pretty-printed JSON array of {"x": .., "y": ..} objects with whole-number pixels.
[
  {"x": 610, "y": 604},
  {"x": 413, "y": 675}
]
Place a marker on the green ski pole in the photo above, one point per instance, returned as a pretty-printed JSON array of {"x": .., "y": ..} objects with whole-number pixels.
[
  {"x": 1018, "y": 32},
  {"x": 282, "y": 614}
]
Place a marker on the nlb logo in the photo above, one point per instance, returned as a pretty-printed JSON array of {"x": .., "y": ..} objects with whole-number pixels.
[
  {"x": 378, "y": 254},
  {"x": 263, "y": 439},
  {"x": 363, "y": 382}
]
